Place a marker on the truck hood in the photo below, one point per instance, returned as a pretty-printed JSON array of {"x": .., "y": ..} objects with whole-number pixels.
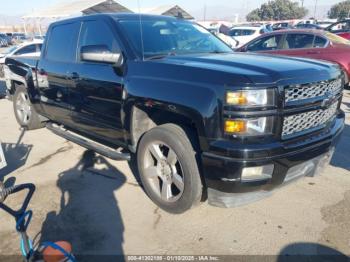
[{"x": 245, "y": 68}]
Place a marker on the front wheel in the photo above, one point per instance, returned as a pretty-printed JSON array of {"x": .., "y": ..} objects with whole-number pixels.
[
  {"x": 25, "y": 113},
  {"x": 168, "y": 168}
]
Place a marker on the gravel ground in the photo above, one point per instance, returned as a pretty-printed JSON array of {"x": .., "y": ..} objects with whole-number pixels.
[{"x": 102, "y": 210}]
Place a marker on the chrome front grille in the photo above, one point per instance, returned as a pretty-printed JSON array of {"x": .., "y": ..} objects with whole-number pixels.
[
  {"x": 309, "y": 121},
  {"x": 321, "y": 89}
]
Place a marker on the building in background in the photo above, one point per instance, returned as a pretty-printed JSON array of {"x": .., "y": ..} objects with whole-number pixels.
[
  {"x": 168, "y": 10},
  {"x": 80, "y": 7},
  {"x": 73, "y": 8},
  {"x": 41, "y": 18}
]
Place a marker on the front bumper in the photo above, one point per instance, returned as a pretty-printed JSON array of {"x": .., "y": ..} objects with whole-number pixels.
[{"x": 222, "y": 170}]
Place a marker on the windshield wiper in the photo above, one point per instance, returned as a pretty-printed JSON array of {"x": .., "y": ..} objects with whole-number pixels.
[{"x": 160, "y": 56}]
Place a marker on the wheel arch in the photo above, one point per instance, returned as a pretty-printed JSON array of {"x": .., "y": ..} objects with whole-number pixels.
[
  {"x": 21, "y": 74},
  {"x": 145, "y": 116}
]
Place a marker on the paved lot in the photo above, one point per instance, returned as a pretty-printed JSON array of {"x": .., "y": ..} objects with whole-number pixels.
[{"x": 102, "y": 210}]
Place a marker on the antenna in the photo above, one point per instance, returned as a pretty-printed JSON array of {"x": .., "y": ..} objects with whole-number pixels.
[{"x": 141, "y": 31}]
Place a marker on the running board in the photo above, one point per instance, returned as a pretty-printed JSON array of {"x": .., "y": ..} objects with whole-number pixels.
[{"x": 87, "y": 143}]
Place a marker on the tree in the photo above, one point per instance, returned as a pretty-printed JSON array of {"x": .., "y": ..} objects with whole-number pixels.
[
  {"x": 253, "y": 15},
  {"x": 278, "y": 10},
  {"x": 340, "y": 10}
]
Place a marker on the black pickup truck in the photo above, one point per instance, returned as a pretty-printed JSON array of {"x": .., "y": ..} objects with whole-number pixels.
[{"x": 202, "y": 121}]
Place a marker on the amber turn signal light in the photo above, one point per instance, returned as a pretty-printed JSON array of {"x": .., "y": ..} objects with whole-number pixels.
[
  {"x": 236, "y": 98},
  {"x": 235, "y": 126}
]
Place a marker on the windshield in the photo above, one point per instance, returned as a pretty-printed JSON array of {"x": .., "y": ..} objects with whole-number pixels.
[
  {"x": 337, "y": 39},
  {"x": 241, "y": 32},
  {"x": 171, "y": 37},
  {"x": 341, "y": 26}
]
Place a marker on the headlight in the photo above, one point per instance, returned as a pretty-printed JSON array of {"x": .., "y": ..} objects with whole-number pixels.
[
  {"x": 249, "y": 127},
  {"x": 252, "y": 98}
]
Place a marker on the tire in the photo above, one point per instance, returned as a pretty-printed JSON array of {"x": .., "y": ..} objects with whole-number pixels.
[
  {"x": 25, "y": 113},
  {"x": 168, "y": 169}
]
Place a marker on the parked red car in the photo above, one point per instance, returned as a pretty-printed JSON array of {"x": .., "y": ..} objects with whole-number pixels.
[
  {"x": 341, "y": 28},
  {"x": 316, "y": 44}
]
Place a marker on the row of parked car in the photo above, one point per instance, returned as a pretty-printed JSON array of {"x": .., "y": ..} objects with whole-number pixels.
[
  {"x": 7, "y": 39},
  {"x": 244, "y": 33},
  {"x": 329, "y": 43},
  {"x": 29, "y": 49},
  {"x": 341, "y": 28}
]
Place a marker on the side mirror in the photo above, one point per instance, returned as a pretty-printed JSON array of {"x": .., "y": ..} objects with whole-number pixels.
[{"x": 100, "y": 54}]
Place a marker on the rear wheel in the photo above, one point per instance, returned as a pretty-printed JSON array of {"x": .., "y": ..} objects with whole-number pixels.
[
  {"x": 25, "y": 113},
  {"x": 168, "y": 169}
]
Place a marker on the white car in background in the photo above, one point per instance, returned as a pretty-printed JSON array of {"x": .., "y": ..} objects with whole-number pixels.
[
  {"x": 244, "y": 34},
  {"x": 326, "y": 23},
  {"x": 233, "y": 43},
  {"x": 25, "y": 49},
  {"x": 227, "y": 39}
]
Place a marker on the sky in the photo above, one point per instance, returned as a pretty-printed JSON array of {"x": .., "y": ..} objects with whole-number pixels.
[{"x": 21, "y": 7}]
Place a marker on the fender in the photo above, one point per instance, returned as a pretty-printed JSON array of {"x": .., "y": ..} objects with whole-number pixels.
[
  {"x": 21, "y": 71},
  {"x": 169, "y": 98}
]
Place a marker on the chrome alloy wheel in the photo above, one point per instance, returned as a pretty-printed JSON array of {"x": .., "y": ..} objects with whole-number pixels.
[
  {"x": 23, "y": 108},
  {"x": 163, "y": 172}
]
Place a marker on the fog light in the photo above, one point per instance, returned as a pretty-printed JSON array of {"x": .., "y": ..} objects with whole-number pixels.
[
  {"x": 235, "y": 126},
  {"x": 257, "y": 173}
]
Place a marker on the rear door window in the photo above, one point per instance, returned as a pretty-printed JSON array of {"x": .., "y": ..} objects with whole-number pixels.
[
  {"x": 320, "y": 42},
  {"x": 298, "y": 41},
  {"x": 62, "y": 43}
]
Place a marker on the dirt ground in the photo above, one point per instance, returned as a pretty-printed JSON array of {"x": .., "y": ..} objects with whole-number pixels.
[{"x": 103, "y": 210}]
